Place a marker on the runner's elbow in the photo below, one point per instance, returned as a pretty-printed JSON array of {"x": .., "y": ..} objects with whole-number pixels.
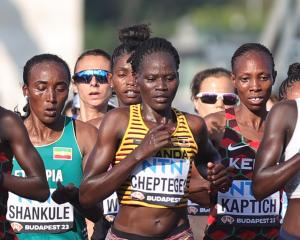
[
  {"x": 42, "y": 191},
  {"x": 46, "y": 195},
  {"x": 43, "y": 194},
  {"x": 85, "y": 198},
  {"x": 258, "y": 192}
]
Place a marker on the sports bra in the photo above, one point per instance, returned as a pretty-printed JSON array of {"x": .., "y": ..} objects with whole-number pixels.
[{"x": 160, "y": 181}]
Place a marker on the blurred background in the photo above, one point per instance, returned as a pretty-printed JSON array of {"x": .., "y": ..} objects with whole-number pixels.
[{"x": 206, "y": 33}]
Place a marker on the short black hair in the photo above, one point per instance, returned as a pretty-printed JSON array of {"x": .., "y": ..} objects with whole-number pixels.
[
  {"x": 37, "y": 59},
  {"x": 248, "y": 47},
  {"x": 45, "y": 57},
  {"x": 153, "y": 45}
]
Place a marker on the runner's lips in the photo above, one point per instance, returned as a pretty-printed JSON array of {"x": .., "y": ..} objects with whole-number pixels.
[
  {"x": 51, "y": 112},
  {"x": 161, "y": 98},
  {"x": 256, "y": 99},
  {"x": 132, "y": 90},
  {"x": 94, "y": 93},
  {"x": 132, "y": 93}
]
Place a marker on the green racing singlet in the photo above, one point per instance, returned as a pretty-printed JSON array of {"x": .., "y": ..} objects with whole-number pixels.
[{"x": 33, "y": 220}]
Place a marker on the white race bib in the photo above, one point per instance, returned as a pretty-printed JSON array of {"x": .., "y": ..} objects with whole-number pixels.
[
  {"x": 111, "y": 205},
  {"x": 27, "y": 215},
  {"x": 160, "y": 181},
  {"x": 238, "y": 206}
]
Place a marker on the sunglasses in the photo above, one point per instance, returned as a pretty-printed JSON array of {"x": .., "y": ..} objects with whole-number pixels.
[
  {"x": 212, "y": 98},
  {"x": 86, "y": 76}
]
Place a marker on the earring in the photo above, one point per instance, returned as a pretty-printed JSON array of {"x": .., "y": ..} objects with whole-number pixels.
[{"x": 26, "y": 98}]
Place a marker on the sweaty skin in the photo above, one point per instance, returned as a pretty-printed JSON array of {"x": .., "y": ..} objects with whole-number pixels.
[
  {"x": 253, "y": 80},
  {"x": 269, "y": 176},
  {"x": 14, "y": 141},
  {"x": 124, "y": 82},
  {"x": 158, "y": 82},
  {"x": 47, "y": 91},
  {"x": 253, "y": 77}
]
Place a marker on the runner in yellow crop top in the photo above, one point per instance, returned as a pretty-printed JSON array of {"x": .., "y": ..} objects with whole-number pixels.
[{"x": 152, "y": 147}]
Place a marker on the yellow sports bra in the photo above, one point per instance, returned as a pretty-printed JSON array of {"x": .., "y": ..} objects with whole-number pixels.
[{"x": 161, "y": 181}]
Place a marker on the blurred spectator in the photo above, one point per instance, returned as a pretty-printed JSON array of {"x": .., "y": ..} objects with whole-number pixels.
[{"x": 212, "y": 91}]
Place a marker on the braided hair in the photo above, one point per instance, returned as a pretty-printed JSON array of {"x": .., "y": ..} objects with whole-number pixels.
[
  {"x": 149, "y": 46},
  {"x": 255, "y": 47},
  {"x": 293, "y": 75},
  {"x": 130, "y": 38}
]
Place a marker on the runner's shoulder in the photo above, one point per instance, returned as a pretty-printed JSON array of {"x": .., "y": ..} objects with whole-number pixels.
[
  {"x": 195, "y": 122},
  {"x": 117, "y": 115},
  {"x": 10, "y": 121}
]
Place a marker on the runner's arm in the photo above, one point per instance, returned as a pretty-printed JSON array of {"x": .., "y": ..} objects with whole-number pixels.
[
  {"x": 198, "y": 188},
  {"x": 208, "y": 160},
  {"x": 15, "y": 133},
  {"x": 109, "y": 137},
  {"x": 269, "y": 176}
]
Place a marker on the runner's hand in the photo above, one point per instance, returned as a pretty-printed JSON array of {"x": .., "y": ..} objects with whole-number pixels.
[
  {"x": 64, "y": 194},
  {"x": 219, "y": 176},
  {"x": 154, "y": 140}
]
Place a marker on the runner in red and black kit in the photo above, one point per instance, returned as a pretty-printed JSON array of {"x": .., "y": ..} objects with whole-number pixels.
[
  {"x": 14, "y": 141},
  {"x": 237, "y": 132}
]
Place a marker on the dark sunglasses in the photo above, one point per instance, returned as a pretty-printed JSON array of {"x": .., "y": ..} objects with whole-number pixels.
[
  {"x": 211, "y": 98},
  {"x": 86, "y": 76}
]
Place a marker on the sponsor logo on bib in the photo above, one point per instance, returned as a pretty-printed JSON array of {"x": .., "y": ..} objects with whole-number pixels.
[
  {"x": 192, "y": 210},
  {"x": 138, "y": 195},
  {"x": 227, "y": 219},
  {"x": 17, "y": 227}
]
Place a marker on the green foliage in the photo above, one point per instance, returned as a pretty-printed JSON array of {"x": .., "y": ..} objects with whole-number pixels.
[
  {"x": 226, "y": 19},
  {"x": 104, "y": 18}
]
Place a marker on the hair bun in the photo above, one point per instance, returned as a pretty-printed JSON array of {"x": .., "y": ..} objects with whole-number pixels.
[
  {"x": 294, "y": 70},
  {"x": 134, "y": 34}
]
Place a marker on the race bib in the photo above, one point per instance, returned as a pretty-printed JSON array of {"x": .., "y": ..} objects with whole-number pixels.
[
  {"x": 196, "y": 210},
  {"x": 111, "y": 205},
  {"x": 27, "y": 215},
  {"x": 239, "y": 207},
  {"x": 160, "y": 181}
]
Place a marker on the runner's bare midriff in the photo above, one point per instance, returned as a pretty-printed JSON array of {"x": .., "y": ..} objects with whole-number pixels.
[{"x": 147, "y": 221}]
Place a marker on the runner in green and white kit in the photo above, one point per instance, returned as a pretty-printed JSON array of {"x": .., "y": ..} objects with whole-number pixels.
[{"x": 64, "y": 144}]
